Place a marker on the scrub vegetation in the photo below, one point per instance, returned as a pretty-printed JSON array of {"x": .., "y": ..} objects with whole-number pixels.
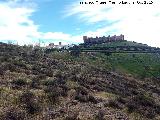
[{"x": 36, "y": 84}]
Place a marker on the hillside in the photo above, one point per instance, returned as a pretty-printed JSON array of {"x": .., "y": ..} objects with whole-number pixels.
[
  {"x": 119, "y": 43},
  {"x": 141, "y": 61},
  {"x": 35, "y": 85}
]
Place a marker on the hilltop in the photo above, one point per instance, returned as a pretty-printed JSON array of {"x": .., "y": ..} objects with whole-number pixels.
[{"x": 56, "y": 85}]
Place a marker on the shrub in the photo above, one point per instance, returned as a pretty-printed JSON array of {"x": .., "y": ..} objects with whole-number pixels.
[
  {"x": 48, "y": 73},
  {"x": 35, "y": 72},
  {"x": 59, "y": 75},
  {"x": 20, "y": 82},
  {"x": 27, "y": 96},
  {"x": 157, "y": 109},
  {"x": 5, "y": 59},
  {"x": 121, "y": 100},
  {"x": 72, "y": 116},
  {"x": 13, "y": 113},
  {"x": 98, "y": 88},
  {"x": 81, "y": 90},
  {"x": 75, "y": 53},
  {"x": 53, "y": 94},
  {"x": 12, "y": 67},
  {"x": 40, "y": 77},
  {"x": 50, "y": 83},
  {"x": 100, "y": 115},
  {"x": 35, "y": 83},
  {"x": 56, "y": 82},
  {"x": 113, "y": 104},
  {"x": 33, "y": 107},
  {"x": 131, "y": 107},
  {"x": 144, "y": 100},
  {"x": 1, "y": 71},
  {"x": 61, "y": 79},
  {"x": 92, "y": 99},
  {"x": 20, "y": 64},
  {"x": 81, "y": 98},
  {"x": 28, "y": 99},
  {"x": 64, "y": 90},
  {"x": 81, "y": 94}
]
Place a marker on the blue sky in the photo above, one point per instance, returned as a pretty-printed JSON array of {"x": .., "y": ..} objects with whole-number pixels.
[{"x": 28, "y": 21}]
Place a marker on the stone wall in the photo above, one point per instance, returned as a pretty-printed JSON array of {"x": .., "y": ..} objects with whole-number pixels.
[{"x": 103, "y": 39}]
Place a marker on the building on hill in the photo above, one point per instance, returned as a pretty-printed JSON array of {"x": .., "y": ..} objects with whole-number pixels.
[
  {"x": 52, "y": 45},
  {"x": 99, "y": 40},
  {"x": 59, "y": 46}
]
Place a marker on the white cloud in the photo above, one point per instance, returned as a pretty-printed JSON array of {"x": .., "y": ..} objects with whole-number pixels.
[
  {"x": 56, "y": 35},
  {"x": 137, "y": 22},
  {"x": 61, "y": 37},
  {"x": 16, "y": 25}
]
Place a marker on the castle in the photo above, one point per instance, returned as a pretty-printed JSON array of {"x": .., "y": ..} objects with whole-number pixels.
[{"x": 99, "y": 40}]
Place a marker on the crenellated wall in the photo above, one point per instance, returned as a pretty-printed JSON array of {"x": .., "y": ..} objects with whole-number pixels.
[{"x": 90, "y": 40}]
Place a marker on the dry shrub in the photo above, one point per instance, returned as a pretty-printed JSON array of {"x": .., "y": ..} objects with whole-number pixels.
[
  {"x": 30, "y": 102},
  {"x": 13, "y": 113}
]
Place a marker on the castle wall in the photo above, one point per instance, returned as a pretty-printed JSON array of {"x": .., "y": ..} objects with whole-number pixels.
[{"x": 103, "y": 39}]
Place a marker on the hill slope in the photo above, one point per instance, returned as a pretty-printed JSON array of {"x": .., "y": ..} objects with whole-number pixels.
[
  {"x": 60, "y": 86},
  {"x": 137, "y": 62},
  {"x": 119, "y": 43}
]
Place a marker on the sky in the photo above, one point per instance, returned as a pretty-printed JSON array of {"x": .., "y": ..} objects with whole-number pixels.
[{"x": 67, "y": 21}]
